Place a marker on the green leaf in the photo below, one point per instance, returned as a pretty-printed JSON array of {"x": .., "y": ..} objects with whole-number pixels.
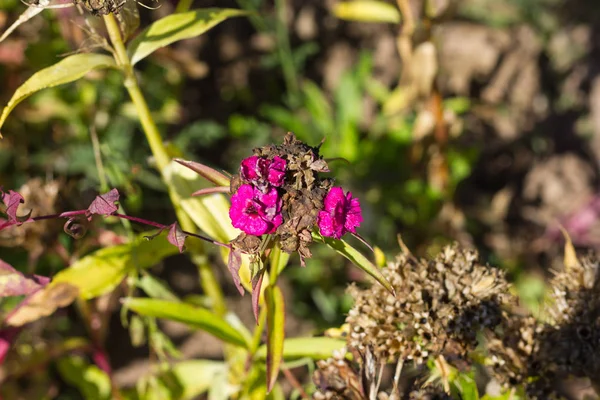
[
  {"x": 367, "y": 11},
  {"x": 194, "y": 317},
  {"x": 101, "y": 271},
  {"x": 155, "y": 288},
  {"x": 66, "y": 70},
  {"x": 316, "y": 348},
  {"x": 196, "y": 376},
  {"x": 91, "y": 381},
  {"x": 176, "y": 27},
  {"x": 356, "y": 257},
  {"x": 275, "y": 333}
]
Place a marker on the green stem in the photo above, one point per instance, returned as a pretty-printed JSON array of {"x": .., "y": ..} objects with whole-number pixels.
[
  {"x": 209, "y": 282},
  {"x": 183, "y": 6},
  {"x": 285, "y": 51}
]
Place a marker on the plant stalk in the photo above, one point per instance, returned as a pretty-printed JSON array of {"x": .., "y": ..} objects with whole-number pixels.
[{"x": 208, "y": 282}]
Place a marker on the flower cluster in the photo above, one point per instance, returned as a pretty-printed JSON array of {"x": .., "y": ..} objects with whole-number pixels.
[{"x": 278, "y": 191}]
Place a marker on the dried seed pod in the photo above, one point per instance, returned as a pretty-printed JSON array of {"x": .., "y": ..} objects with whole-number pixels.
[{"x": 440, "y": 306}]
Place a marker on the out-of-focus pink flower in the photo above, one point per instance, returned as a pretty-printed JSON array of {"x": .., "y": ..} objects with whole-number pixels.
[
  {"x": 341, "y": 213},
  {"x": 254, "y": 212},
  {"x": 263, "y": 172}
]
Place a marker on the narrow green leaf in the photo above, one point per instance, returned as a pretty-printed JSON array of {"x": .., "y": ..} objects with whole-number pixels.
[
  {"x": 194, "y": 317},
  {"x": 66, "y": 70},
  {"x": 275, "y": 333},
  {"x": 356, "y": 257},
  {"x": 155, "y": 288},
  {"x": 367, "y": 11},
  {"x": 176, "y": 27},
  {"x": 316, "y": 348},
  {"x": 101, "y": 271}
]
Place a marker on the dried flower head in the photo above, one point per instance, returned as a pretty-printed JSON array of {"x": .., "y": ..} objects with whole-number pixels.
[
  {"x": 298, "y": 198},
  {"x": 440, "y": 306}
]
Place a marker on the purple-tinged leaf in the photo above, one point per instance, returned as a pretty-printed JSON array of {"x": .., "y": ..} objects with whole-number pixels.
[
  {"x": 256, "y": 284},
  {"x": 7, "y": 337},
  {"x": 212, "y": 190},
  {"x": 105, "y": 203},
  {"x": 275, "y": 333},
  {"x": 209, "y": 173},
  {"x": 14, "y": 283},
  {"x": 12, "y": 200},
  {"x": 42, "y": 303},
  {"x": 233, "y": 264},
  {"x": 176, "y": 237}
]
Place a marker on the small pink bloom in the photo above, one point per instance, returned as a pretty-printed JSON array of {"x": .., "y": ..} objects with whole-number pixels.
[
  {"x": 254, "y": 212},
  {"x": 341, "y": 213},
  {"x": 263, "y": 172}
]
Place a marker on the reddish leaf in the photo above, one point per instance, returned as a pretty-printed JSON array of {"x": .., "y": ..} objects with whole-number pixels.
[
  {"x": 101, "y": 360},
  {"x": 105, "y": 203},
  {"x": 176, "y": 237},
  {"x": 12, "y": 200},
  {"x": 233, "y": 264},
  {"x": 7, "y": 337},
  {"x": 14, "y": 283},
  {"x": 209, "y": 173},
  {"x": 256, "y": 284}
]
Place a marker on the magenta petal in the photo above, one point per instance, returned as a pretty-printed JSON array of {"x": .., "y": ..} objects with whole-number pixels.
[
  {"x": 325, "y": 223},
  {"x": 333, "y": 198},
  {"x": 277, "y": 171},
  {"x": 254, "y": 225},
  {"x": 275, "y": 223},
  {"x": 249, "y": 170},
  {"x": 341, "y": 214}
]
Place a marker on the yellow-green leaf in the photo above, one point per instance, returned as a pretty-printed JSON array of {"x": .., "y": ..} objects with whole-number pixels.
[
  {"x": 275, "y": 333},
  {"x": 356, "y": 257},
  {"x": 195, "y": 317},
  {"x": 101, "y": 271},
  {"x": 317, "y": 348},
  {"x": 91, "y": 381},
  {"x": 367, "y": 11},
  {"x": 66, "y": 70},
  {"x": 196, "y": 376},
  {"x": 176, "y": 27}
]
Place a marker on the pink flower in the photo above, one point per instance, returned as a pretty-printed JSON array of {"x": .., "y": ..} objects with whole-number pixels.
[
  {"x": 341, "y": 213},
  {"x": 254, "y": 212},
  {"x": 263, "y": 172}
]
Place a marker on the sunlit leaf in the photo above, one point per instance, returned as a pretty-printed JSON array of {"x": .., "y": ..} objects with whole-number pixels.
[
  {"x": 42, "y": 303},
  {"x": 356, "y": 257},
  {"x": 176, "y": 27},
  {"x": 367, "y": 11},
  {"x": 101, "y": 271},
  {"x": 67, "y": 70},
  {"x": 190, "y": 315},
  {"x": 196, "y": 376},
  {"x": 275, "y": 333},
  {"x": 90, "y": 380},
  {"x": 155, "y": 288},
  {"x": 317, "y": 348}
]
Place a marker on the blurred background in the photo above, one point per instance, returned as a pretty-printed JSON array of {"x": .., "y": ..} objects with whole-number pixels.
[{"x": 478, "y": 122}]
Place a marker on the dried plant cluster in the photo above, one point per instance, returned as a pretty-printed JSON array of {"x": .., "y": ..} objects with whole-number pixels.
[
  {"x": 444, "y": 305},
  {"x": 279, "y": 191},
  {"x": 440, "y": 306}
]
